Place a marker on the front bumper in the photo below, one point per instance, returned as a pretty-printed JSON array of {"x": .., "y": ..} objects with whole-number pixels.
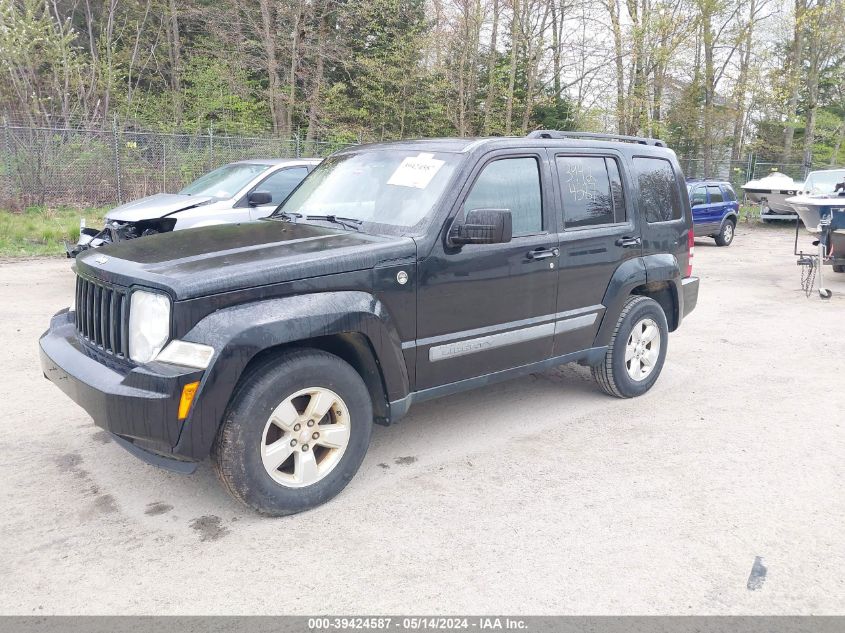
[
  {"x": 139, "y": 404},
  {"x": 689, "y": 285}
]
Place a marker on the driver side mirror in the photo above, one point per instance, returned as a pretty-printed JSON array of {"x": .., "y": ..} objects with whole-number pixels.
[
  {"x": 482, "y": 226},
  {"x": 259, "y": 198}
]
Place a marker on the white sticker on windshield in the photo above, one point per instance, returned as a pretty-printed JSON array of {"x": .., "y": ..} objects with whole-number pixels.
[{"x": 416, "y": 171}]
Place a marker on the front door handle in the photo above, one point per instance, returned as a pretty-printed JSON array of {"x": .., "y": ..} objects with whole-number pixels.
[
  {"x": 628, "y": 242},
  {"x": 543, "y": 253}
]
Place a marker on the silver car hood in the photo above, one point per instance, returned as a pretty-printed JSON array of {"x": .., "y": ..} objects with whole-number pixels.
[{"x": 157, "y": 206}]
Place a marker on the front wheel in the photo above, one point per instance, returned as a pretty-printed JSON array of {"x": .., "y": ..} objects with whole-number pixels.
[
  {"x": 726, "y": 235},
  {"x": 295, "y": 432},
  {"x": 637, "y": 350}
]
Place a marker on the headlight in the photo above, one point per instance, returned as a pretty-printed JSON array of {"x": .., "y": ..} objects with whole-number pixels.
[{"x": 149, "y": 325}]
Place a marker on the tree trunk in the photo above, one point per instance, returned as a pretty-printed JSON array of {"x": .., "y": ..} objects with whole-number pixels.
[
  {"x": 314, "y": 97},
  {"x": 294, "y": 63},
  {"x": 512, "y": 78},
  {"x": 742, "y": 84},
  {"x": 840, "y": 138},
  {"x": 175, "y": 61},
  {"x": 794, "y": 80},
  {"x": 816, "y": 61},
  {"x": 491, "y": 72},
  {"x": 614, "y": 10},
  {"x": 268, "y": 41},
  {"x": 709, "y": 85}
]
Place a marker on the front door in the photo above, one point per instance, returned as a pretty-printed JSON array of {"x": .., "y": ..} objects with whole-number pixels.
[
  {"x": 483, "y": 308},
  {"x": 600, "y": 233}
]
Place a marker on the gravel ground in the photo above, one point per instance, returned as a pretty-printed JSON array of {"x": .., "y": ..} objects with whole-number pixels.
[{"x": 539, "y": 496}]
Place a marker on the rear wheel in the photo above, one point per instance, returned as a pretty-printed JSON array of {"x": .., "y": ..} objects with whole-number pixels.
[
  {"x": 295, "y": 432},
  {"x": 637, "y": 350},
  {"x": 726, "y": 235},
  {"x": 839, "y": 268}
]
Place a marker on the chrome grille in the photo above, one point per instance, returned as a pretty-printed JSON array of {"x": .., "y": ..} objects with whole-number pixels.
[{"x": 102, "y": 316}]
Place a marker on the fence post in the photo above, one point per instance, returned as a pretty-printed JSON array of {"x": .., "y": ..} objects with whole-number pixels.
[
  {"x": 7, "y": 156},
  {"x": 298, "y": 151},
  {"x": 211, "y": 147},
  {"x": 164, "y": 162},
  {"x": 116, "y": 144}
]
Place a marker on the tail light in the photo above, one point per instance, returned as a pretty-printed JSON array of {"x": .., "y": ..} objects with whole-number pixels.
[{"x": 690, "y": 252}]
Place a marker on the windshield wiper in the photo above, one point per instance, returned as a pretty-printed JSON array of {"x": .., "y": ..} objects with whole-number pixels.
[
  {"x": 285, "y": 216},
  {"x": 349, "y": 223}
]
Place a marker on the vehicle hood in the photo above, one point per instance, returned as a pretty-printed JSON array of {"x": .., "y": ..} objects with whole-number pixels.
[
  {"x": 154, "y": 207},
  {"x": 223, "y": 258}
]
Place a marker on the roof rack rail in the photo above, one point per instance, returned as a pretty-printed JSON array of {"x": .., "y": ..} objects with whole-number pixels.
[{"x": 641, "y": 140}]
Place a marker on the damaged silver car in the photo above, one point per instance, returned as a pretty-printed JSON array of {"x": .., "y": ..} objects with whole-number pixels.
[{"x": 238, "y": 192}]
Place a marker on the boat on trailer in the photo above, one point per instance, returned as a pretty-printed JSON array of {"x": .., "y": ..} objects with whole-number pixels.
[
  {"x": 813, "y": 199},
  {"x": 771, "y": 193},
  {"x": 824, "y": 216}
]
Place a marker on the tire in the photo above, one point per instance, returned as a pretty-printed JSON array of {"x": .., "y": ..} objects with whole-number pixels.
[
  {"x": 613, "y": 374},
  {"x": 839, "y": 268},
  {"x": 267, "y": 420},
  {"x": 726, "y": 234}
]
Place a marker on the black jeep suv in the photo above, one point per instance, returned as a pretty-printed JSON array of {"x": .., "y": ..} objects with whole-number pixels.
[{"x": 394, "y": 273}]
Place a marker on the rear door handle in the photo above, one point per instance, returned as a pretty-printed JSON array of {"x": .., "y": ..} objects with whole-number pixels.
[
  {"x": 628, "y": 242},
  {"x": 543, "y": 253}
]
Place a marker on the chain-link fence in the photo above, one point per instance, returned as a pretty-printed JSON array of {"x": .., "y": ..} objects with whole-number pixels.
[
  {"x": 87, "y": 167},
  {"x": 739, "y": 172}
]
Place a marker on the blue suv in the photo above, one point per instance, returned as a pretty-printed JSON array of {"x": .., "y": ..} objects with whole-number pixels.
[{"x": 715, "y": 209}]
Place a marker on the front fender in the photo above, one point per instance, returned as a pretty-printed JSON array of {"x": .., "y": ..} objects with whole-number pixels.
[{"x": 241, "y": 332}]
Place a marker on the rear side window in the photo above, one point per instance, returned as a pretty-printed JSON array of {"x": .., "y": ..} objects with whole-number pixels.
[
  {"x": 510, "y": 183},
  {"x": 591, "y": 188},
  {"x": 729, "y": 193},
  {"x": 659, "y": 198},
  {"x": 715, "y": 194}
]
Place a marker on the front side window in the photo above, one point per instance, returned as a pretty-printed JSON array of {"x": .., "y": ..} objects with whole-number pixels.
[
  {"x": 513, "y": 184},
  {"x": 591, "y": 188},
  {"x": 384, "y": 186},
  {"x": 225, "y": 181},
  {"x": 715, "y": 194},
  {"x": 659, "y": 198},
  {"x": 699, "y": 196},
  {"x": 280, "y": 184}
]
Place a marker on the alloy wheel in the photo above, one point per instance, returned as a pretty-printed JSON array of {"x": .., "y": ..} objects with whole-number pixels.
[
  {"x": 643, "y": 349},
  {"x": 305, "y": 437}
]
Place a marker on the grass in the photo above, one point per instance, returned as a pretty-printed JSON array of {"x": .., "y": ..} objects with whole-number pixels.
[{"x": 40, "y": 231}]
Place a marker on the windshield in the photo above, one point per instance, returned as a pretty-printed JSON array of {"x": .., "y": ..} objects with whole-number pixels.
[
  {"x": 824, "y": 181},
  {"x": 393, "y": 187},
  {"x": 224, "y": 182}
]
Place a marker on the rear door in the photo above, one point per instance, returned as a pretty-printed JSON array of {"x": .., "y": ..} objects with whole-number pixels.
[
  {"x": 716, "y": 205},
  {"x": 700, "y": 211},
  {"x": 731, "y": 203},
  {"x": 600, "y": 232}
]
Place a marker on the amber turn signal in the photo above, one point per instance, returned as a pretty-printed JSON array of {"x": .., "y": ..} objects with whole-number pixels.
[{"x": 188, "y": 393}]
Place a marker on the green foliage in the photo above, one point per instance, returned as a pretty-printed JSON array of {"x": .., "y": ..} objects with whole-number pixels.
[{"x": 40, "y": 231}]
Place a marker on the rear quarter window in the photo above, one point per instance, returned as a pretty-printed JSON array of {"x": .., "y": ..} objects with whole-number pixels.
[
  {"x": 729, "y": 193},
  {"x": 659, "y": 197}
]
